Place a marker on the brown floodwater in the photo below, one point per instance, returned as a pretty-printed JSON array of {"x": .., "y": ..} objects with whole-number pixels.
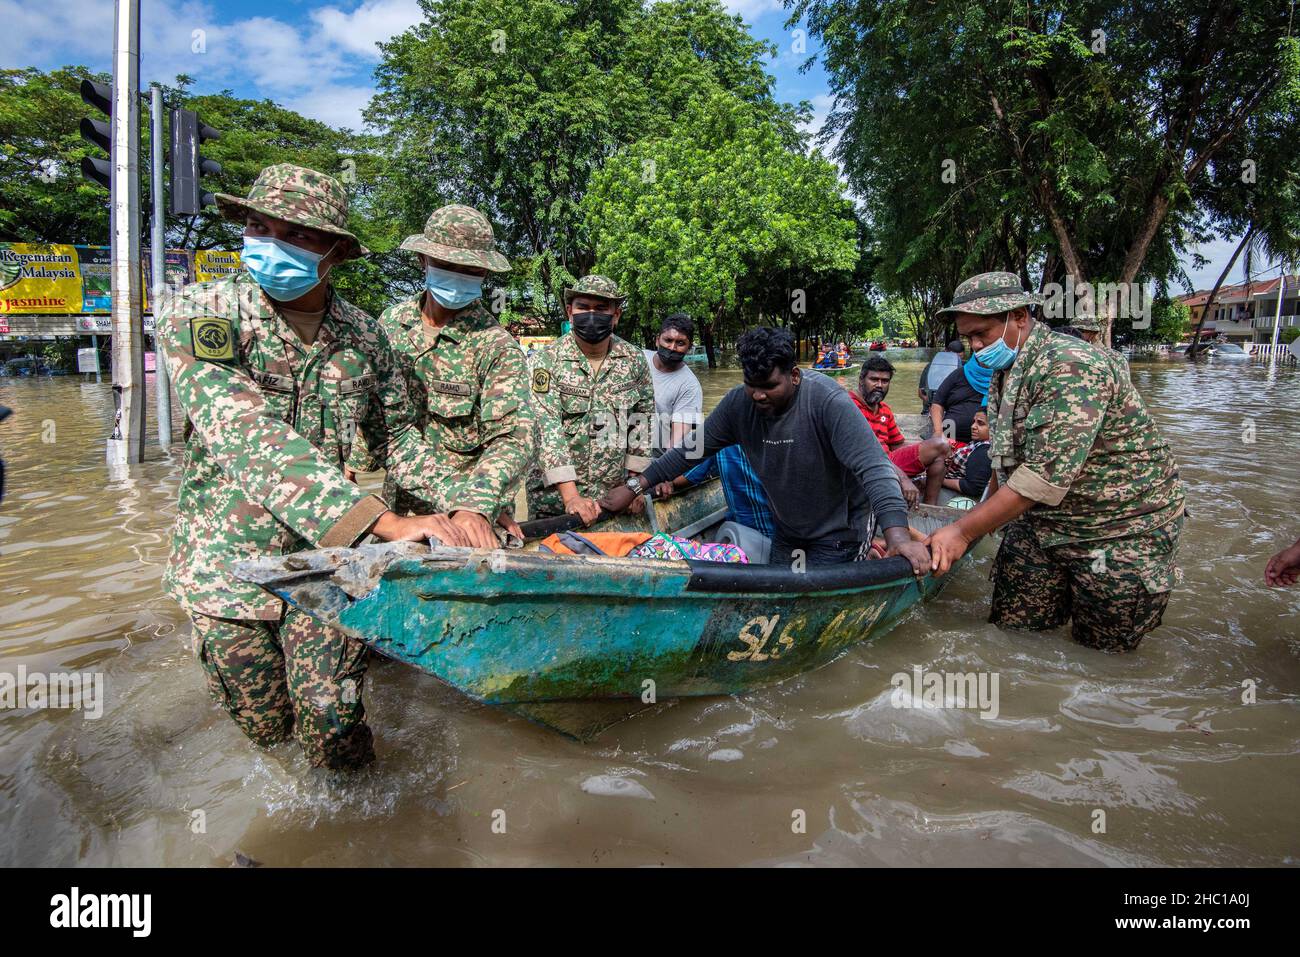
[{"x": 1189, "y": 748}]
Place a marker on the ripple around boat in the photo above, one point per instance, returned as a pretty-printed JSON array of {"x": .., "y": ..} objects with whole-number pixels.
[{"x": 578, "y": 642}]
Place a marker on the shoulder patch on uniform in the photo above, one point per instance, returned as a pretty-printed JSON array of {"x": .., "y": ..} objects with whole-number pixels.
[
  {"x": 541, "y": 380},
  {"x": 212, "y": 339}
]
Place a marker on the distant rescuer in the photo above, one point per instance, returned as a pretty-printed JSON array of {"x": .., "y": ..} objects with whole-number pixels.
[
  {"x": 467, "y": 378},
  {"x": 277, "y": 375},
  {"x": 594, "y": 404},
  {"x": 1086, "y": 487},
  {"x": 823, "y": 470}
]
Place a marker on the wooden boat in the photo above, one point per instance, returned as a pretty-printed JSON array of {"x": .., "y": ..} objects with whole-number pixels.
[{"x": 548, "y": 636}]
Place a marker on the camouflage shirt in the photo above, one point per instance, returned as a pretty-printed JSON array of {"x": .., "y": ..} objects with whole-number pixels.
[
  {"x": 1069, "y": 431},
  {"x": 469, "y": 387},
  {"x": 591, "y": 430},
  {"x": 271, "y": 424}
]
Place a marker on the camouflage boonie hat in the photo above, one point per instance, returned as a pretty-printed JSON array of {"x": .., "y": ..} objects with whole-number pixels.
[
  {"x": 593, "y": 285},
  {"x": 1086, "y": 324},
  {"x": 990, "y": 293},
  {"x": 297, "y": 195},
  {"x": 458, "y": 234}
]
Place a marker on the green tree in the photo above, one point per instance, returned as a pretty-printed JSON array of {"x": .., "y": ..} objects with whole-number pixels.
[
  {"x": 510, "y": 105},
  {"x": 43, "y": 196},
  {"x": 693, "y": 219},
  {"x": 1107, "y": 113}
]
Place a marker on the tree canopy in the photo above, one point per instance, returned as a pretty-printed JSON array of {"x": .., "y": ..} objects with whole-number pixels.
[{"x": 1066, "y": 135}]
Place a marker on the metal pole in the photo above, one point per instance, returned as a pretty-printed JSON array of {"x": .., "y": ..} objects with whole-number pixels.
[
  {"x": 128, "y": 319},
  {"x": 94, "y": 343},
  {"x": 1277, "y": 316},
  {"x": 157, "y": 248}
]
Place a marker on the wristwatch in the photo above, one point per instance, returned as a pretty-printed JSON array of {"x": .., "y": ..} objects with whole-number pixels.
[{"x": 634, "y": 483}]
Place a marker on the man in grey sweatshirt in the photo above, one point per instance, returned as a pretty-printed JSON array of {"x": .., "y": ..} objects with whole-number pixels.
[{"x": 821, "y": 466}]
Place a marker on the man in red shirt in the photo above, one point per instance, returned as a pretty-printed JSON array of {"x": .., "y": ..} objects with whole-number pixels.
[{"x": 929, "y": 457}]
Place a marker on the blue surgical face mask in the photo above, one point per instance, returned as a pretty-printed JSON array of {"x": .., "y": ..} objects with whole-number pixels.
[
  {"x": 452, "y": 290},
  {"x": 284, "y": 271},
  {"x": 997, "y": 354}
]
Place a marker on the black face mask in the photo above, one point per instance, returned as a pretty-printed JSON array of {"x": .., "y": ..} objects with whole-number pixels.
[
  {"x": 592, "y": 326},
  {"x": 669, "y": 357}
]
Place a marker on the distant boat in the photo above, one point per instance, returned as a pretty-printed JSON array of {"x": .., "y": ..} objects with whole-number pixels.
[{"x": 576, "y": 642}]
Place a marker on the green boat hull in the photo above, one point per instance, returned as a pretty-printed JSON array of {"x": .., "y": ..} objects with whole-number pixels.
[{"x": 537, "y": 633}]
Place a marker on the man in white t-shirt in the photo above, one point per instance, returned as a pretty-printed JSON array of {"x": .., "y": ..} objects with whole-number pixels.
[{"x": 679, "y": 400}]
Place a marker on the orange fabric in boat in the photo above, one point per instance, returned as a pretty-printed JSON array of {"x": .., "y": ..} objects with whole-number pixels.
[{"x": 611, "y": 543}]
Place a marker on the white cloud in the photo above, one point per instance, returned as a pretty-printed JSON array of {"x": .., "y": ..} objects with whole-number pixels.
[
  {"x": 77, "y": 29},
  {"x": 337, "y": 104},
  {"x": 750, "y": 10},
  {"x": 1218, "y": 252},
  {"x": 372, "y": 22},
  {"x": 318, "y": 63}
]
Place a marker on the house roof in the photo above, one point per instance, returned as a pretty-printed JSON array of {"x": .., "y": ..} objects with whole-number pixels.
[{"x": 1241, "y": 292}]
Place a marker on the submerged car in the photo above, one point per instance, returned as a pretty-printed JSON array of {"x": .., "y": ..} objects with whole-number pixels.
[{"x": 1228, "y": 351}]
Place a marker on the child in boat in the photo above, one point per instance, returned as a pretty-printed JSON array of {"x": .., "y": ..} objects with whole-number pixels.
[{"x": 969, "y": 468}]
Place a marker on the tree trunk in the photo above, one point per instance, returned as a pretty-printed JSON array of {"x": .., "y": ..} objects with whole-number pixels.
[
  {"x": 1214, "y": 293},
  {"x": 708, "y": 338}
]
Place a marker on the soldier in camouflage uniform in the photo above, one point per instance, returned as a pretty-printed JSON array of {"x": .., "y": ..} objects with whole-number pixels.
[
  {"x": 467, "y": 377},
  {"x": 1089, "y": 330},
  {"x": 284, "y": 386},
  {"x": 594, "y": 402},
  {"x": 1086, "y": 486}
]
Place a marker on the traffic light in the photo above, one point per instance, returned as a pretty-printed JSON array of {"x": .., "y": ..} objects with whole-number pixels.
[
  {"x": 187, "y": 164},
  {"x": 98, "y": 133}
]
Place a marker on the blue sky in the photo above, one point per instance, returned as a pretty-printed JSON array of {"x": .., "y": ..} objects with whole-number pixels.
[{"x": 256, "y": 49}]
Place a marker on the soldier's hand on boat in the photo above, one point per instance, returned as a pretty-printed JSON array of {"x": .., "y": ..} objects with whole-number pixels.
[
  {"x": 507, "y": 521},
  {"x": 585, "y": 508},
  {"x": 476, "y": 528},
  {"x": 392, "y": 527},
  {"x": 1284, "y": 567},
  {"x": 947, "y": 545},
  {"x": 664, "y": 490}
]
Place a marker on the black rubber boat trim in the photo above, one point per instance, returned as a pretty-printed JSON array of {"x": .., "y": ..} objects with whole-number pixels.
[
  {"x": 720, "y": 577},
  {"x": 540, "y": 528}
]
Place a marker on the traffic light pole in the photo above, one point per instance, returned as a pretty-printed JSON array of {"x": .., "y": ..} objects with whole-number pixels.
[
  {"x": 158, "y": 250},
  {"x": 127, "y": 442}
]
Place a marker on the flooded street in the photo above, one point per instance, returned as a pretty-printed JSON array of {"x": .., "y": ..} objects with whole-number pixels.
[{"x": 1159, "y": 740}]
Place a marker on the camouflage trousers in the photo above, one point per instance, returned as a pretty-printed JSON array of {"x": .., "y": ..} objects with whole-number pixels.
[
  {"x": 1114, "y": 591},
  {"x": 295, "y": 677}
]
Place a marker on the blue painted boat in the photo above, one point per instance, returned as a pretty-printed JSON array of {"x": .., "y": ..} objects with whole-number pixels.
[{"x": 542, "y": 635}]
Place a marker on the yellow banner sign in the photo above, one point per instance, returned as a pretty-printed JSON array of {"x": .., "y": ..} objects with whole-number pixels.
[
  {"x": 56, "y": 279},
  {"x": 212, "y": 264},
  {"x": 39, "y": 278}
]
